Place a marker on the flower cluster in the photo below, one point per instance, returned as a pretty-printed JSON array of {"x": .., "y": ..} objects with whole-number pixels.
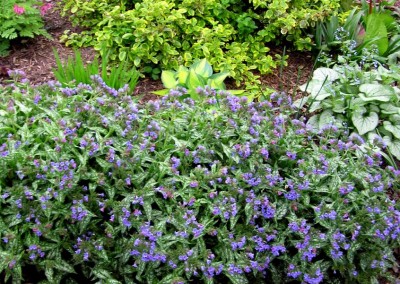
[{"x": 185, "y": 191}]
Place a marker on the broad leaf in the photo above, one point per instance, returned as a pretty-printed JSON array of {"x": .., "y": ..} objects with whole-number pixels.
[
  {"x": 376, "y": 92},
  {"x": 317, "y": 89},
  {"x": 393, "y": 145},
  {"x": 355, "y": 103},
  {"x": 316, "y": 105},
  {"x": 168, "y": 79},
  {"x": 393, "y": 128},
  {"x": 194, "y": 80},
  {"x": 202, "y": 68},
  {"x": 326, "y": 118},
  {"x": 321, "y": 73},
  {"x": 376, "y": 32},
  {"x": 364, "y": 123},
  {"x": 182, "y": 75},
  {"x": 216, "y": 81},
  {"x": 389, "y": 108},
  {"x": 312, "y": 123}
]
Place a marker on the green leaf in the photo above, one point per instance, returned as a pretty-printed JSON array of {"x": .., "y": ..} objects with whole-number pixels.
[
  {"x": 182, "y": 75},
  {"x": 237, "y": 278},
  {"x": 317, "y": 89},
  {"x": 389, "y": 108},
  {"x": 376, "y": 92},
  {"x": 280, "y": 212},
  {"x": 393, "y": 146},
  {"x": 216, "y": 81},
  {"x": 194, "y": 80},
  {"x": 321, "y": 73},
  {"x": 313, "y": 123},
  {"x": 237, "y": 92},
  {"x": 202, "y": 68},
  {"x": 163, "y": 92},
  {"x": 393, "y": 128},
  {"x": 376, "y": 32},
  {"x": 168, "y": 79},
  {"x": 364, "y": 123},
  {"x": 63, "y": 266},
  {"x": 22, "y": 107},
  {"x": 326, "y": 118},
  {"x": 148, "y": 210},
  {"x": 101, "y": 273}
]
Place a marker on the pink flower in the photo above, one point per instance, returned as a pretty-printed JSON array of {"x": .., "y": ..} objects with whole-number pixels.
[
  {"x": 19, "y": 10},
  {"x": 45, "y": 8}
]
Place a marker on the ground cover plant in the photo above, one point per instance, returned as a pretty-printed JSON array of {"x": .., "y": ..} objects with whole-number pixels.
[
  {"x": 177, "y": 190},
  {"x": 232, "y": 35},
  {"x": 19, "y": 19}
]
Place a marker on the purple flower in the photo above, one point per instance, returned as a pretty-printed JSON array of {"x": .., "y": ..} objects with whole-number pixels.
[
  {"x": 291, "y": 156},
  {"x": 336, "y": 253},
  {"x": 314, "y": 280},
  {"x": 276, "y": 250},
  {"x": 292, "y": 195}
]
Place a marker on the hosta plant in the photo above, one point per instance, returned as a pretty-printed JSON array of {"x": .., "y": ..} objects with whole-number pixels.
[
  {"x": 19, "y": 19},
  {"x": 363, "y": 98},
  {"x": 199, "y": 74},
  {"x": 97, "y": 187}
]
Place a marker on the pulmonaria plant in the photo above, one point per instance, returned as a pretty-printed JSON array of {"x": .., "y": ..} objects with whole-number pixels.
[
  {"x": 19, "y": 19},
  {"x": 217, "y": 190}
]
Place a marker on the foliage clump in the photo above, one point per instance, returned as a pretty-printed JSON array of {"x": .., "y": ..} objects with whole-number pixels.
[
  {"x": 19, "y": 19},
  {"x": 231, "y": 34},
  {"x": 177, "y": 190}
]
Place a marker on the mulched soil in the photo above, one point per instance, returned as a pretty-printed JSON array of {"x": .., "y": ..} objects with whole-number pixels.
[{"x": 35, "y": 58}]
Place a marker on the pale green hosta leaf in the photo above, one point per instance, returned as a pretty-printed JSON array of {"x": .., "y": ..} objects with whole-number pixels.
[
  {"x": 203, "y": 68},
  {"x": 182, "y": 75},
  {"x": 393, "y": 128},
  {"x": 194, "y": 80},
  {"x": 216, "y": 81},
  {"x": 168, "y": 79},
  {"x": 364, "y": 123},
  {"x": 376, "y": 92}
]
